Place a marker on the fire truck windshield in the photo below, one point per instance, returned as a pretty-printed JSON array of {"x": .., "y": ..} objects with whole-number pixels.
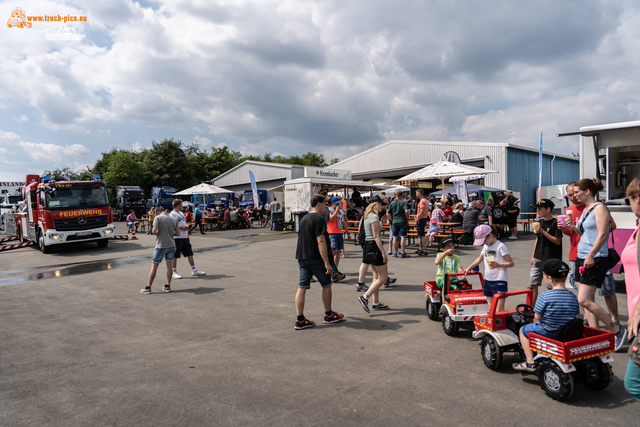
[{"x": 78, "y": 197}]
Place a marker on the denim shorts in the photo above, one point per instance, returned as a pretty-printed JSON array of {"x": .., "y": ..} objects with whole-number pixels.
[
  {"x": 166, "y": 253},
  {"x": 399, "y": 229},
  {"x": 337, "y": 241},
  {"x": 608, "y": 288},
  {"x": 492, "y": 287},
  {"x": 536, "y": 329},
  {"x": 313, "y": 267}
]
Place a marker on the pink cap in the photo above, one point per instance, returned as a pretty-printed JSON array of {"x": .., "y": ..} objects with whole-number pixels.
[{"x": 480, "y": 233}]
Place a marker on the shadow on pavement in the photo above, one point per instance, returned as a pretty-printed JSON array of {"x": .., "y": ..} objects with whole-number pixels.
[
  {"x": 199, "y": 291},
  {"x": 371, "y": 323}
]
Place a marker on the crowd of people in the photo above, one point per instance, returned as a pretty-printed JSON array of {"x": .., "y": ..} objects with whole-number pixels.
[{"x": 587, "y": 222}]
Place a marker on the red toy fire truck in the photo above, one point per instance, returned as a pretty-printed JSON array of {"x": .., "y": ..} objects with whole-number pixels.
[
  {"x": 63, "y": 212},
  {"x": 581, "y": 354},
  {"x": 458, "y": 308}
]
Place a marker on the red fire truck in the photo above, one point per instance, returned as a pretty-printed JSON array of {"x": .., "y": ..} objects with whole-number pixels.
[{"x": 64, "y": 212}]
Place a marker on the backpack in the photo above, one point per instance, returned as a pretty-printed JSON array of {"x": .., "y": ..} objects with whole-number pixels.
[{"x": 361, "y": 235}]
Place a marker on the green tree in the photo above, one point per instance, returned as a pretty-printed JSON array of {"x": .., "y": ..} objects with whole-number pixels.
[
  {"x": 102, "y": 165},
  {"x": 222, "y": 159},
  {"x": 167, "y": 164},
  {"x": 124, "y": 169}
]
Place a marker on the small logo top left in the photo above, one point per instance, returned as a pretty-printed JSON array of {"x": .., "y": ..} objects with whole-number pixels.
[{"x": 18, "y": 19}]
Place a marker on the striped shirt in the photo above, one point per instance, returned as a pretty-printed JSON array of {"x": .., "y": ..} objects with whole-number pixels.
[{"x": 557, "y": 308}]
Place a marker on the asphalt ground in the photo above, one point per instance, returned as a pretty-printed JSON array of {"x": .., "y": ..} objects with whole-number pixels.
[{"x": 80, "y": 346}]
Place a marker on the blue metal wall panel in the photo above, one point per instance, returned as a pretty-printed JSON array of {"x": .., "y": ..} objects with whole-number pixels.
[{"x": 522, "y": 173}]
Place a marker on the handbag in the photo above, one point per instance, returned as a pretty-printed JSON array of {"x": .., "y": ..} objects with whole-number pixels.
[
  {"x": 613, "y": 256},
  {"x": 370, "y": 257}
]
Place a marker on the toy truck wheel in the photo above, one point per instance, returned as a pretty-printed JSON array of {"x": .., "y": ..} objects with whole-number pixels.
[
  {"x": 491, "y": 354},
  {"x": 46, "y": 249},
  {"x": 449, "y": 326},
  {"x": 605, "y": 376},
  {"x": 432, "y": 309},
  {"x": 103, "y": 243},
  {"x": 554, "y": 382}
]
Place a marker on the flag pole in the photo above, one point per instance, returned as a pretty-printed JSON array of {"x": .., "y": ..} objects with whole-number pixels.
[{"x": 540, "y": 169}]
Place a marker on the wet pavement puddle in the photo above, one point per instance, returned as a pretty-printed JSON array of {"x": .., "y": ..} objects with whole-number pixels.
[{"x": 16, "y": 277}]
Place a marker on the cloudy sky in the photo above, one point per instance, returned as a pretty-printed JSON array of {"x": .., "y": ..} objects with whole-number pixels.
[{"x": 292, "y": 76}]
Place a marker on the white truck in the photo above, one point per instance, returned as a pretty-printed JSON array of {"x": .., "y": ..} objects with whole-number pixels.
[{"x": 612, "y": 152}]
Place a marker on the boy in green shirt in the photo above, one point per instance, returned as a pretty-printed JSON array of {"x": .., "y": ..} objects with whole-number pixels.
[{"x": 447, "y": 263}]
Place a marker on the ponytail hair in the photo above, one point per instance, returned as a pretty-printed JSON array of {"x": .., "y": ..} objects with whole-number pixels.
[{"x": 593, "y": 185}]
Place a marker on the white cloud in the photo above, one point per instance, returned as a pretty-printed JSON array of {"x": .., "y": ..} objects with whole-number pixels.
[
  {"x": 297, "y": 75},
  {"x": 204, "y": 142},
  {"x": 42, "y": 152},
  {"x": 137, "y": 146}
]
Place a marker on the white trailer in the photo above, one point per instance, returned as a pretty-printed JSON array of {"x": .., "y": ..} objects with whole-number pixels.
[
  {"x": 298, "y": 192},
  {"x": 612, "y": 152}
]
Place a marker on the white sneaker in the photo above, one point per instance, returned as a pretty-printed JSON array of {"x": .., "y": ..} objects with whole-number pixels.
[
  {"x": 512, "y": 238},
  {"x": 197, "y": 273},
  {"x": 176, "y": 276}
]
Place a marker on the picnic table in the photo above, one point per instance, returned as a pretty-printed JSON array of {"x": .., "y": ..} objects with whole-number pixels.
[{"x": 526, "y": 223}]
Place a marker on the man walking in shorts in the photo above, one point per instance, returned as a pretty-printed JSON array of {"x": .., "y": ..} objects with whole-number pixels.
[
  {"x": 183, "y": 245},
  {"x": 313, "y": 260},
  {"x": 164, "y": 228},
  {"x": 421, "y": 221}
]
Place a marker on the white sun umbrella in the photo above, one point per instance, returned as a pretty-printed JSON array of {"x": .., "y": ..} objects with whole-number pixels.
[
  {"x": 443, "y": 170},
  {"x": 203, "y": 188}
]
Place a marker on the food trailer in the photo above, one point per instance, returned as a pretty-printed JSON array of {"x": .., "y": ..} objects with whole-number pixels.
[{"x": 612, "y": 152}]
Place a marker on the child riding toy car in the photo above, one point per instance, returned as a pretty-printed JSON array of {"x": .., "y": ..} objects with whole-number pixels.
[{"x": 458, "y": 307}]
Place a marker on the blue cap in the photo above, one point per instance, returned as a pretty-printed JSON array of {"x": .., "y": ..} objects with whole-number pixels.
[{"x": 335, "y": 200}]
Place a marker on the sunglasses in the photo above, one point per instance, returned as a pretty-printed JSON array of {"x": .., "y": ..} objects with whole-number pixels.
[{"x": 627, "y": 200}]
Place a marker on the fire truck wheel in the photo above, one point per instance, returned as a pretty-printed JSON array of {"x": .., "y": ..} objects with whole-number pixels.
[
  {"x": 491, "y": 355},
  {"x": 605, "y": 376},
  {"x": 554, "y": 382},
  {"x": 46, "y": 249},
  {"x": 432, "y": 309},
  {"x": 103, "y": 243},
  {"x": 449, "y": 326}
]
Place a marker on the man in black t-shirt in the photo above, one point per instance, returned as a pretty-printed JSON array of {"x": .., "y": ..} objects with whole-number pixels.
[
  {"x": 548, "y": 243},
  {"x": 313, "y": 259}
]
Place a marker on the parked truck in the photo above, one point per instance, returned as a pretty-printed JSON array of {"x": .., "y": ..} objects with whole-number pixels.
[
  {"x": 163, "y": 196},
  {"x": 8, "y": 205},
  {"x": 222, "y": 201},
  {"x": 264, "y": 197},
  {"x": 127, "y": 199},
  {"x": 62, "y": 212},
  {"x": 205, "y": 200}
]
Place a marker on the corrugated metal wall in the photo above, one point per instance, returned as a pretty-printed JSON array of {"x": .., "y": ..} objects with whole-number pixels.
[
  {"x": 401, "y": 155},
  {"x": 522, "y": 173},
  {"x": 262, "y": 171}
]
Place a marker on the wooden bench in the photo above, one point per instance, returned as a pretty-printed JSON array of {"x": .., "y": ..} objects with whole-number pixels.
[{"x": 501, "y": 230}]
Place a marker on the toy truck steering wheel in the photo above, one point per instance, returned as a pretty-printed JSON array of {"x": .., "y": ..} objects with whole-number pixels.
[{"x": 525, "y": 310}]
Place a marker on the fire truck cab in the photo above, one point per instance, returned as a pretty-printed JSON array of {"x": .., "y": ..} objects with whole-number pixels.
[{"x": 64, "y": 212}]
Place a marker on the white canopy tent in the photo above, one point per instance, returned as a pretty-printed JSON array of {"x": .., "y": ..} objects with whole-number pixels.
[{"x": 203, "y": 188}]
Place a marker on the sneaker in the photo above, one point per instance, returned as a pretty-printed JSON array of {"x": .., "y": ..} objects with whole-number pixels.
[
  {"x": 176, "y": 276},
  {"x": 405, "y": 255},
  {"x": 306, "y": 323},
  {"x": 390, "y": 252},
  {"x": 380, "y": 307},
  {"x": 422, "y": 253},
  {"x": 526, "y": 367},
  {"x": 362, "y": 288},
  {"x": 512, "y": 238},
  {"x": 621, "y": 338},
  {"x": 334, "y": 318},
  {"x": 395, "y": 254},
  {"x": 389, "y": 282},
  {"x": 364, "y": 303},
  {"x": 337, "y": 277},
  {"x": 197, "y": 273},
  {"x": 146, "y": 290},
  {"x": 166, "y": 288},
  {"x": 418, "y": 252}
]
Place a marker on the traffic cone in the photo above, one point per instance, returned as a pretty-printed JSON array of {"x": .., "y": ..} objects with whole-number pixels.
[{"x": 133, "y": 234}]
